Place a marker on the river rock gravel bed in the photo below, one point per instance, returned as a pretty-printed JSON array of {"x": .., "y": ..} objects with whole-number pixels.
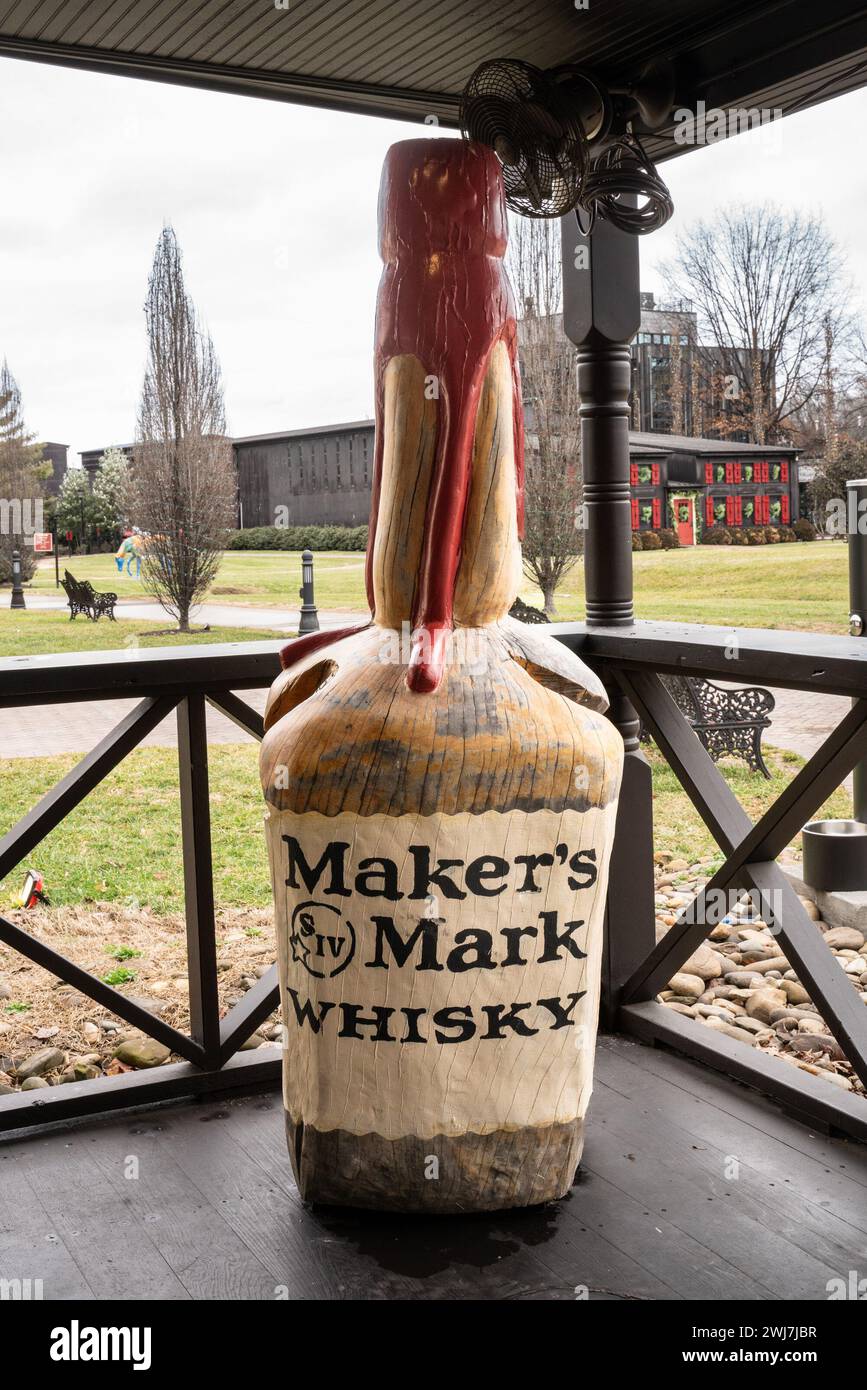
[{"x": 740, "y": 984}]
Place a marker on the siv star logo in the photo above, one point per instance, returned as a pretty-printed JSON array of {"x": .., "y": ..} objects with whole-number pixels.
[{"x": 321, "y": 940}]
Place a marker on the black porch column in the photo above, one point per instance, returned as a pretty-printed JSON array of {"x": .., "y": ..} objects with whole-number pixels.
[{"x": 601, "y": 314}]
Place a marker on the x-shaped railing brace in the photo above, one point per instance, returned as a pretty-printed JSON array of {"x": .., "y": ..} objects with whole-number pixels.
[
  {"x": 214, "y": 1040},
  {"x": 751, "y": 851}
]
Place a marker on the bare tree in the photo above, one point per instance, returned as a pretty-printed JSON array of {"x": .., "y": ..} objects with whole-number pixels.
[
  {"x": 768, "y": 288},
  {"x": 553, "y": 534},
  {"x": 184, "y": 484},
  {"x": 22, "y": 480}
]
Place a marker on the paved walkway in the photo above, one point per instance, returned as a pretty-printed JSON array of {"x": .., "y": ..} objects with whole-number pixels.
[
  {"x": 801, "y": 719},
  {"x": 213, "y": 614}
]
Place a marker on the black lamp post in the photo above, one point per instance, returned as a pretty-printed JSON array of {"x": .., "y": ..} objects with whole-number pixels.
[
  {"x": 17, "y": 588},
  {"x": 309, "y": 616}
]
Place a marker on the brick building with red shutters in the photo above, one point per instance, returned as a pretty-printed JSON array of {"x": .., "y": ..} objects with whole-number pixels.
[{"x": 693, "y": 484}]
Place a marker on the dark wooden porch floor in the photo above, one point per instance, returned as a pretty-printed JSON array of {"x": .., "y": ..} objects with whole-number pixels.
[{"x": 692, "y": 1188}]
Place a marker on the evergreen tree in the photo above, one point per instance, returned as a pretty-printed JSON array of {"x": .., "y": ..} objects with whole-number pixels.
[{"x": 23, "y": 472}]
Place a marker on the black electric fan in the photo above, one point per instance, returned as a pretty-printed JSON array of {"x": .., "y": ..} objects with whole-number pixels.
[{"x": 566, "y": 142}]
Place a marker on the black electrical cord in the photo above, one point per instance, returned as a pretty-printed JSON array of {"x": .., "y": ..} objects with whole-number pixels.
[{"x": 625, "y": 168}]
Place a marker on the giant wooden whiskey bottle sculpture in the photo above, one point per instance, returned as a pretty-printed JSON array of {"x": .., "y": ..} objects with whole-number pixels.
[{"x": 441, "y": 784}]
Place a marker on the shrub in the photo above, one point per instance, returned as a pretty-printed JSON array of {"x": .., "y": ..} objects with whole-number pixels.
[
  {"x": 804, "y": 529},
  {"x": 787, "y": 535},
  {"x": 772, "y": 535},
  {"x": 739, "y": 536},
  {"x": 28, "y": 559},
  {"x": 299, "y": 538},
  {"x": 716, "y": 535},
  {"x": 756, "y": 535},
  {"x": 650, "y": 541},
  {"x": 669, "y": 538},
  {"x": 636, "y": 541}
]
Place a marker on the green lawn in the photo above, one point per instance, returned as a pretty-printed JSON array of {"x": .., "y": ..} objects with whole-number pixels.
[
  {"x": 123, "y": 843},
  {"x": 802, "y": 586},
  {"x": 261, "y": 578},
  {"x": 126, "y": 834},
  {"x": 35, "y": 632},
  {"x": 677, "y": 826},
  {"x": 788, "y": 586}
]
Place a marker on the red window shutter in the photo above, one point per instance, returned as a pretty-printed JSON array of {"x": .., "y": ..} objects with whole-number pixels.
[
  {"x": 657, "y": 512},
  {"x": 766, "y": 508},
  {"x": 730, "y": 510},
  {"x": 739, "y": 510},
  {"x": 784, "y": 508},
  {"x": 784, "y": 470},
  {"x": 766, "y": 472},
  {"x": 654, "y": 474},
  {"x": 708, "y": 510},
  {"x": 633, "y": 475},
  {"x": 635, "y": 513},
  {"x": 737, "y": 472},
  {"x": 708, "y": 472}
]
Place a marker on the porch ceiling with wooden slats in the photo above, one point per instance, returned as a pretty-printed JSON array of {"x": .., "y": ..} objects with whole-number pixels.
[{"x": 409, "y": 59}]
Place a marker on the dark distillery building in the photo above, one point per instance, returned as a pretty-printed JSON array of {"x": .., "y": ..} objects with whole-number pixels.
[{"x": 322, "y": 477}]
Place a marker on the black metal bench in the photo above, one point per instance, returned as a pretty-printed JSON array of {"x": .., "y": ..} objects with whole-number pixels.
[
  {"x": 83, "y": 598},
  {"x": 728, "y": 722}
]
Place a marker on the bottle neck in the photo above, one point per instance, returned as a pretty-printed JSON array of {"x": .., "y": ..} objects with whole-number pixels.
[{"x": 486, "y": 532}]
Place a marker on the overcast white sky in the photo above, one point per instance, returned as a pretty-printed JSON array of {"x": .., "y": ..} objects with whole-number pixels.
[{"x": 275, "y": 209}]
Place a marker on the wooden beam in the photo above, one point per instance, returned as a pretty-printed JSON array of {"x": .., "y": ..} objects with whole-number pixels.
[
  {"x": 255, "y": 1070},
  {"x": 248, "y": 1013},
  {"x": 239, "y": 712},
  {"x": 809, "y": 1097},
  {"x": 198, "y": 877}
]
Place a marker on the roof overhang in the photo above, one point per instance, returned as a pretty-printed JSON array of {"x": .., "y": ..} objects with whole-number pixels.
[{"x": 409, "y": 61}]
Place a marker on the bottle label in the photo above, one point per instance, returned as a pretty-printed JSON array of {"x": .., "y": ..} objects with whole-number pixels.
[{"x": 439, "y": 974}]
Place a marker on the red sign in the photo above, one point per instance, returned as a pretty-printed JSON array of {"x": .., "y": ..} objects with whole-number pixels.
[{"x": 43, "y": 542}]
